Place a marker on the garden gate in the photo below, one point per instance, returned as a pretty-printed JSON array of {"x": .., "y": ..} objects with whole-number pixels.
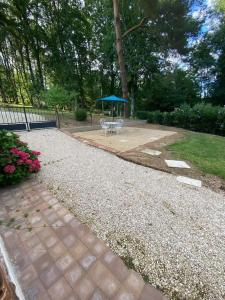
[{"x": 26, "y": 118}]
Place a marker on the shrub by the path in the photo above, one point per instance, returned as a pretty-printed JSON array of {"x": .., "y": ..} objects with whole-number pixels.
[
  {"x": 81, "y": 115},
  {"x": 17, "y": 161}
]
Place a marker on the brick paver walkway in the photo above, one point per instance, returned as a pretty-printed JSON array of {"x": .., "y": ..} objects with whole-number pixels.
[{"x": 57, "y": 257}]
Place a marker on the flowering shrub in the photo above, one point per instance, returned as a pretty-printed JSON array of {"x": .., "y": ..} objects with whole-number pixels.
[{"x": 17, "y": 161}]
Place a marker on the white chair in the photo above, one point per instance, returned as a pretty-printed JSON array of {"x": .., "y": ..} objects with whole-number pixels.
[
  {"x": 104, "y": 126},
  {"x": 119, "y": 126}
]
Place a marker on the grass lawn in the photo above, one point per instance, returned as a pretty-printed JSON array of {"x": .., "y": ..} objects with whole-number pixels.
[{"x": 205, "y": 151}]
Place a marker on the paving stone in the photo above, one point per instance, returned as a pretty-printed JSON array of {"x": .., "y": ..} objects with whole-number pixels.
[
  {"x": 32, "y": 241},
  {"x": 62, "y": 231},
  {"x": 99, "y": 248},
  {"x": 123, "y": 294},
  {"x": 64, "y": 262},
  {"x": 89, "y": 239},
  {"x": 81, "y": 230},
  {"x": 49, "y": 276},
  {"x": 78, "y": 250},
  {"x": 57, "y": 251},
  {"x": 28, "y": 275},
  {"x": 37, "y": 252},
  {"x": 51, "y": 241},
  {"x": 150, "y": 293},
  {"x": 97, "y": 271},
  {"x": 118, "y": 268},
  {"x": 45, "y": 233},
  {"x": 75, "y": 223},
  {"x": 52, "y": 218},
  {"x": 109, "y": 257},
  {"x": 22, "y": 261},
  {"x": 60, "y": 290},
  {"x": 35, "y": 290},
  {"x": 151, "y": 152},
  {"x": 43, "y": 296},
  {"x": 26, "y": 234},
  {"x": 104, "y": 279},
  {"x": 87, "y": 260},
  {"x": 58, "y": 224},
  {"x": 177, "y": 164},
  {"x": 134, "y": 283},
  {"x": 62, "y": 211},
  {"x": 11, "y": 238},
  {"x": 98, "y": 295},
  {"x": 35, "y": 219},
  {"x": 189, "y": 181},
  {"x": 67, "y": 218},
  {"x": 109, "y": 284},
  {"x": 43, "y": 263},
  {"x": 74, "y": 274},
  {"x": 84, "y": 288},
  {"x": 73, "y": 297},
  {"x": 69, "y": 240}
]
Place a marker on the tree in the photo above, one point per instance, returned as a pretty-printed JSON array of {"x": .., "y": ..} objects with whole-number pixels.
[
  {"x": 57, "y": 96},
  {"x": 119, "y": 48}
]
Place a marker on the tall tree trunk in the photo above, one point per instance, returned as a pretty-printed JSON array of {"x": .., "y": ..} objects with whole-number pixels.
[{"x": 120, "y": 54}]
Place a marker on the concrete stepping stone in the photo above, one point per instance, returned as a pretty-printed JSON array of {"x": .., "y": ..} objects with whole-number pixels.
[
  {"x": 177, "y": 164},
  {"x": 123, "y": 141},
  {"x": 151, "y": 152},
  {"x": 190, "y": 181}
]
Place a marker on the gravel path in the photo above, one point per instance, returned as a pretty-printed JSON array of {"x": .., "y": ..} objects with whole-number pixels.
[{"x": 173, "y": 233}]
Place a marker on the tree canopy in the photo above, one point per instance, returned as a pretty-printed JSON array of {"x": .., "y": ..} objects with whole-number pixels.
[{"x": 68, "y": 48}]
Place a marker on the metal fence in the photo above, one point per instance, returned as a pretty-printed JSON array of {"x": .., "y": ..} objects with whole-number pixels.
[{"x": 26, "y": 118}]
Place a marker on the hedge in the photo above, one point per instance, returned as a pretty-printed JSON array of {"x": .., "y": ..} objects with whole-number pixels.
[{"x": 201, "y": 117}]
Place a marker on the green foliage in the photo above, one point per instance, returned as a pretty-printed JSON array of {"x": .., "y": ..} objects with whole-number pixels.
[
  {"x": 167, "y": 91},
  {"x": 201, "y": 117},
  {"x": 17, "y": 161},
  {"x": 81, "y": 114},
  {"x": 203, "y": 150},
  {"x": 56, "y": 96},
  {"x": 142, "y": 115},
  {"x": 220, "y": 4}
]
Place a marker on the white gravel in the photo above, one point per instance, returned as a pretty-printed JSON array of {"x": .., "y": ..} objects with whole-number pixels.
[{"x": 174, "y": 233}]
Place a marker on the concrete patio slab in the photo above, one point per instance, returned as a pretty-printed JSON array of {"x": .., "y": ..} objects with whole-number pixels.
[
  {"x": 177, "y": 164},
  {"x": 189, "y": 181},
  {"x": 151, "y": 152},
  {"x": 127, "y": 139}
]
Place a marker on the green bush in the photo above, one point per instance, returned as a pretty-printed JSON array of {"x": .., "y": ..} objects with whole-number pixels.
[
  {"x": 142, "y": 115},
  {"x": 17, "y": 161},
  {"x": 81, "y": 114},
  {"x": 201, "y": 117}
]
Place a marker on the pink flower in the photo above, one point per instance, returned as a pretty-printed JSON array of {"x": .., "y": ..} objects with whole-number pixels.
[
  {"x": 36, "y": 166},
  {"x": 24, "y": 155},
  {"x": 36, "y": 152},
  {"x": 20, "y": 162},
  {"x": 28, "y": 161},
  {"x": 9, "y": 169},
  {"x": 14, "y": 151}
]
